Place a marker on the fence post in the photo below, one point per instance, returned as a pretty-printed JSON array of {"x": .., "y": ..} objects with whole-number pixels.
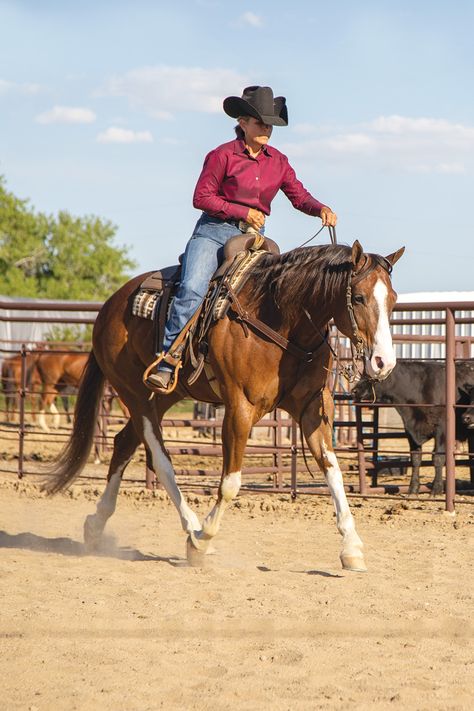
[
  {"x": 277, "y": 458},
  {"x": 21, "y": 428},
  {"x": 361, "y": 451},
  {"x": 450, "y": 409},
  {"x": 294, "y": 458}
]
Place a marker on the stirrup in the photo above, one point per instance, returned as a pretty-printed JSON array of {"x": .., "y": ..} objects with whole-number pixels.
[{"x": 174, "y": 376}]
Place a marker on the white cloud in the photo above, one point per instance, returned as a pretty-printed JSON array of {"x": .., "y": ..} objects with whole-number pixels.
[
  {"x": 28, "y": 89},
  {"x": 428, "y": 126},
  {"x": 399, "y": 143},
  {"x": 114, "y": 134},
  {"x": 163, "y": 90},
  {"x": 66, "y": 114},
  {"x": 251, "y": 19}
]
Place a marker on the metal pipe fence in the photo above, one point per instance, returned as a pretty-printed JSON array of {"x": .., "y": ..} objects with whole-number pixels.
[{"x": 275, "y": 460}]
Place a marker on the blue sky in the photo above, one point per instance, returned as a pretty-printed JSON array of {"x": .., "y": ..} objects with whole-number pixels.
[{"x": 109, "y": 108}]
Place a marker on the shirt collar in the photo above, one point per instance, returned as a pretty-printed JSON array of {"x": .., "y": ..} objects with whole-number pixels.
[{"x": 239, "y": 147}]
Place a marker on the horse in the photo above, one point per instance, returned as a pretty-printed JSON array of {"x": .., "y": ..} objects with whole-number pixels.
[
  {"x": 57, "y": 372},
  {"x": 271, "y": 350},
  {"x": 11, "y": 381}
]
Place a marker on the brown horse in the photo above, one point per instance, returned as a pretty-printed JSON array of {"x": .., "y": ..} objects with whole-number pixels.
[
  {"x": 11, "y": 382},
  {"x": 57, "y": 371},
  {"x": 295, "y": 294}
]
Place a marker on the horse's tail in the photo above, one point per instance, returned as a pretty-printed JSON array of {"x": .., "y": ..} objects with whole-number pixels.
[{"x": 74, "y": 456}]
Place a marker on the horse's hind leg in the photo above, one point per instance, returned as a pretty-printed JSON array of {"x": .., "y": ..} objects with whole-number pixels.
[
  {"x": 125, "y": 444},
  {"x": 47, "y": 403},
  {"x": 317, "y": 428},
  {"x": 163, "y": 468}
]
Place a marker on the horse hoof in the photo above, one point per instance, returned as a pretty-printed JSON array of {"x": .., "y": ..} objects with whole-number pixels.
[
  {"x": 92, "y": 537},
  {"x": 195, "y": 557},
  {"x": 354, "y": 563}
]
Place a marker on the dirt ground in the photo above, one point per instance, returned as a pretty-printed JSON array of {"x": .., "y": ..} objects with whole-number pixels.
[{"x": 272, "y": 621}]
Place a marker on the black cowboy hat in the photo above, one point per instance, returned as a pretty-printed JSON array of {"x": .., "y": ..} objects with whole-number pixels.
[{"x": 259, "y": 102}]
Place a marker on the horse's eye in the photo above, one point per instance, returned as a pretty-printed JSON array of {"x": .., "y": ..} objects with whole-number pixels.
[{"x": 359, "y": 299}]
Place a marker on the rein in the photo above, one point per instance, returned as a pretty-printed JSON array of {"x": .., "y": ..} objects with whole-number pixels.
[
  {"x": 243, "y": 316},
  {"x": 332, "y": 235}
]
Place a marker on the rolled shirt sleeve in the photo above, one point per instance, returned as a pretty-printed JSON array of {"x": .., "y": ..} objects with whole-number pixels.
[{"x": 297, "y": 194}]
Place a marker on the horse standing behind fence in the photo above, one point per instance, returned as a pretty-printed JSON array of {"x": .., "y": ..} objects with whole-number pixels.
[
  {"x": 57, "y": 371},
  {"x": 295, "y": 294},
  {"x": 12, "y": 382}
]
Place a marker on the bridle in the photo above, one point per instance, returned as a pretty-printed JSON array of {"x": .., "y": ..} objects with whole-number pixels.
[
  {"x": 358, "y": 346},
  {"x": 372, "y": 261}
]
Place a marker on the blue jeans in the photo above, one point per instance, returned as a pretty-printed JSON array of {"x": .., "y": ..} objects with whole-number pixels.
[{"x": 202, "y": 256}]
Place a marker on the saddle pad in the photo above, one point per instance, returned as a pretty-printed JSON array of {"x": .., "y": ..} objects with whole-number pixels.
[
  {"x": 237, "y": 280},
  {"x": 145, "y": 303},
  {"x": 147, "y": 299}
]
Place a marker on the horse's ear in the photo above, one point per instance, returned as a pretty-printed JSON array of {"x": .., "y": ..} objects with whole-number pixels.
[
  {"x": 395, "y": 256},
  {"x": 357, "y": 252}
]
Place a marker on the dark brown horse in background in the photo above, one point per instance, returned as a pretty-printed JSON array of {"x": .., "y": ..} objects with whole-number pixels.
[{"x": 296, "y": 294}]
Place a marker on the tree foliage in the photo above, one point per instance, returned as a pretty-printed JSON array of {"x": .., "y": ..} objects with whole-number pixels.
[{"x": 63, "y": 257}]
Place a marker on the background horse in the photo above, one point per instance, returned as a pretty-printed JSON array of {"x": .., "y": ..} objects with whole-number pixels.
[
  {"x": 294, "y": 295},
  {"x": 11, "y": 382},
  {"x": 57, "y": 372}
]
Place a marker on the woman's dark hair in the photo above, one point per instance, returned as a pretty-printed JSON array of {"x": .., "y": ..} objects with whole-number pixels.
[{"x": 239, "y": 132}]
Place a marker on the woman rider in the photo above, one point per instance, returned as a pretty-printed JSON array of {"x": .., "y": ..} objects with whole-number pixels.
[{"x": 238, "y": 181}]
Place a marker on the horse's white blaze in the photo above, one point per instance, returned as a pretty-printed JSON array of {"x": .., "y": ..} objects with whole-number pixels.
[
  {"x": 382, "y": 360},
  {"x": 229, "y": 489},
  {"x": 165, "y": 473},
  {"x": 352, "y": 544}
]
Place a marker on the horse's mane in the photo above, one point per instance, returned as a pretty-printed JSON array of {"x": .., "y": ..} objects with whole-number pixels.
[{"x": 301, "y": 276}]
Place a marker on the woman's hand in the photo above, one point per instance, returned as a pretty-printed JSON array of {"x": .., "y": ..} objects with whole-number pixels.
[
  {"x": 328, "y": 217},
  {"x": 255, "y": 218}
]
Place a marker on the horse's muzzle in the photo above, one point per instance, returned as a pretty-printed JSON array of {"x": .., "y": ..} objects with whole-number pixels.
[{"x": 379, "y": 366}]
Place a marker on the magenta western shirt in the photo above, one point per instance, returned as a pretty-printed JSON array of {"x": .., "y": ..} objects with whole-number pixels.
[{"x": 232, "y": 181}]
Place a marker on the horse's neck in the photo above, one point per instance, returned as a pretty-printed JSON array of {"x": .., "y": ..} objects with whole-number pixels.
[{"x": 321, "y": 308}]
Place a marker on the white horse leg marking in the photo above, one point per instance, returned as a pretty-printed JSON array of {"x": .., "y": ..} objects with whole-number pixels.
[
  {"x": 229, "y": 489},
  {"x": 42, "y": 421},
  {"x": 352, "y": 556},
  {"x": 95, "y": 523},
  {"x": 382, "y": 360},
  {"x": 56, "y": 416},
  {"x": 165, "y": 473}
]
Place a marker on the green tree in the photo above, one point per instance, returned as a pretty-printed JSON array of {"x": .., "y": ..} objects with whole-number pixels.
[{"x": 57, "y": 258}]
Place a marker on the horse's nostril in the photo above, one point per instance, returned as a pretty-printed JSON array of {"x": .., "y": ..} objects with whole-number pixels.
[{"x": 379, "y": 362}]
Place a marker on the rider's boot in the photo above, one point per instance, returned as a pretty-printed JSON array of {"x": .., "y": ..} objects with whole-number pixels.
[{"x": 160, "y": 379}]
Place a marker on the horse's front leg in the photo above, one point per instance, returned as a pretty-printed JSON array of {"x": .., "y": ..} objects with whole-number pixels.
[
  {"x": 317, "y": 425},
  {"x": 238, "y": 421}
]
